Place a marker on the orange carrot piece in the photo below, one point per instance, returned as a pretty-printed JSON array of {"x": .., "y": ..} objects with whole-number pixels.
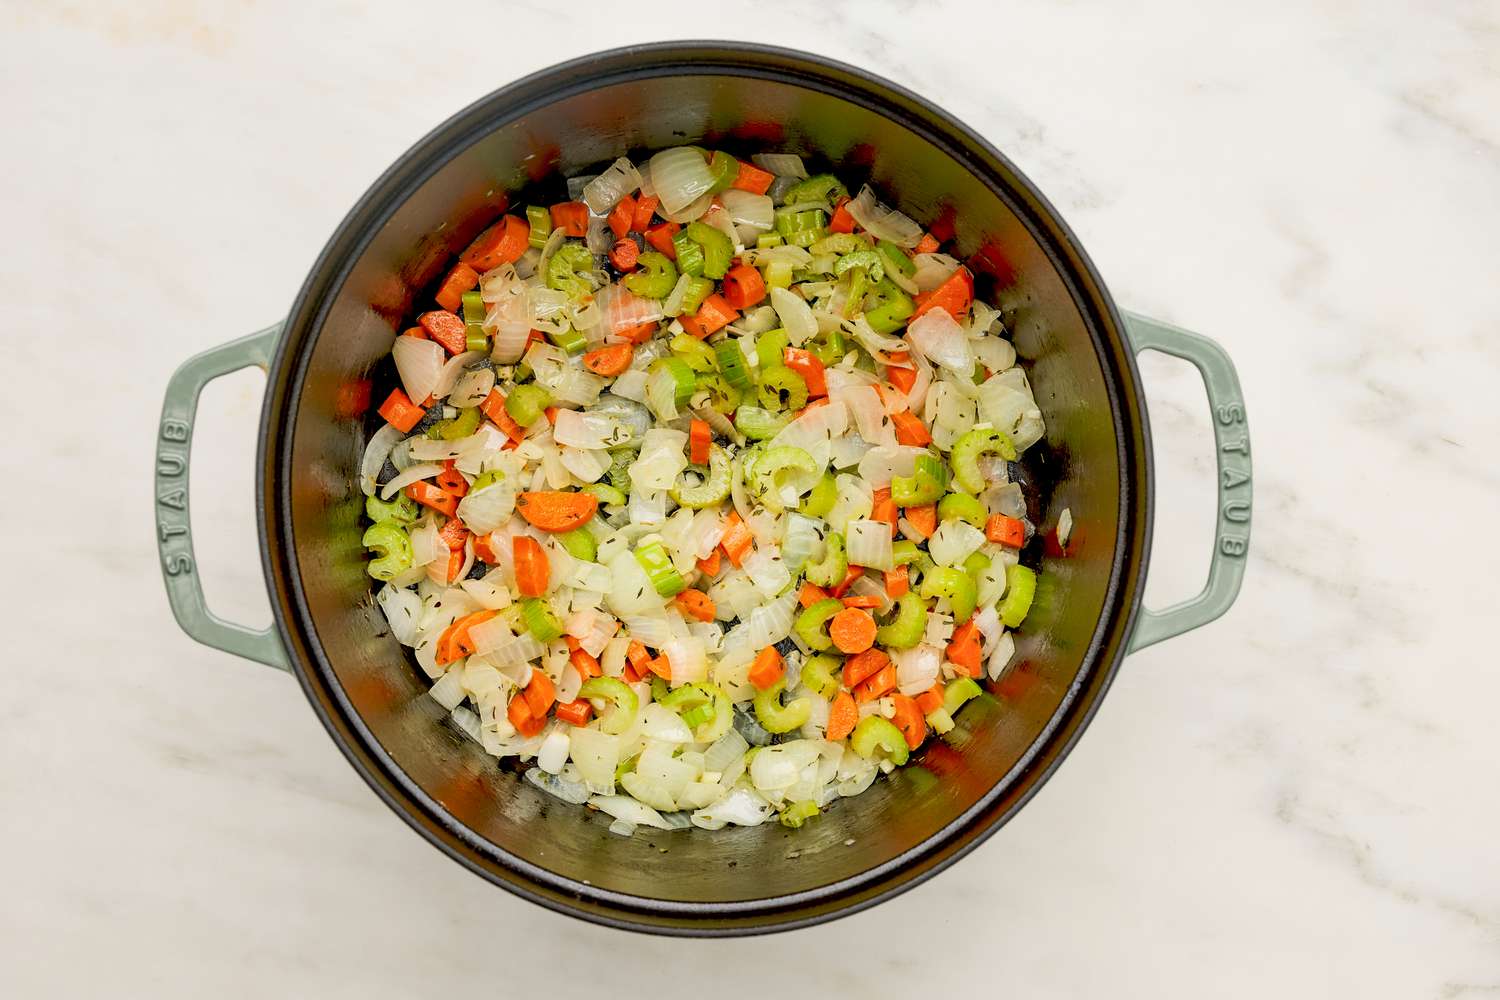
[
  {"x": 621, "y": 216},
  {"x": 557, "y": 510},
  {"x": 743, "y": 286},
  {"x": 450, "y": 480},
  {"x": 700, "y": 440},
  {"x": 455, "y": 643},
  {"x": 531, "y": 566},
  {"x": 860, "y": 668},
  {"x": 843, "y": 714},
  {"x": 863, "y": 601},
  {"x": 806, "y": 364},
  {"x": 811, "y": 594},
  {"x": 927, "y": 244},
  {"x": 572, "y": 217},
  {"x": 624, "y": 254},
  {"x": 922, "y": 519},
  {"x": 908, "y": 719},
  {"x": 714, "y": 314},
  {"x": 884, "y": 508},
  {"x": 493, "y": 408},
  {"x": 400, "y": 412},
  {"x": 585, "y": 662},
  {"x": 710, "y": 565},
  {"x": 737, "y": 539},
  {"x": 453, "y": 533},
  {"x": 910, "y": 429},
  {"x": 901, "y": 378},
  {"x": 767, "y": 668},
  {"x": 638, "y": 334},
  {"x": 897, "y": 582},
  {"x": 753, "y": 179},
  {"x": 484, "y": 549},
  {"x": 878, "y": 684},
  {"x": 842, "y": 221},
  {"x": 609, "y": 361},
  {"x": 575, "y": 713},
  {"x": 502, "y": 243},
  {"x": 540, "y": 694},
  {"x": 636, "y": 653},
  {"x": 930, "y": 700},
  {"x": 852, "y": 630},
  {"x": 964, "y": 648},
  {"x": 854, "y": 573},
  {"x": 446, "y": 328},
  {"x": 660, "y": 667},
  {"x": 450, "y": 294},
  {"x": 1005, "y": 530},
  {"x": 431, "y": 496},
  {"x": 696, "y": 604},
  {"x": 645, "y": 207},
  {"x": 520, "y": 715},
  {"x": 660, "y": 237},
  {"x": 953, "y": 295}
]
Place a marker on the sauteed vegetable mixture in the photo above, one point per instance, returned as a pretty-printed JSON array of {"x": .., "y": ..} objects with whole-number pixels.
[{"x": 694, "y": 493}]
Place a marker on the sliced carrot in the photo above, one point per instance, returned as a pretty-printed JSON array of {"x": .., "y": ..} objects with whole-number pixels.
[
  {"x": 964, "y": 648},
  {"x": 700, "y": 441},
  {"x": 450, "y": 294},
  {"x": 531, "y": 566},
  {"x": 624, "y": 254},
  {"x": 811, "y": 594},
  {"x": 842, "y": 221},
  {"x": 645, "y": 207},
  {"x": 609, "y": 361},
  {"x": 852, "y": 630},
  {"x": 429, "y": 495},
  {"x": 863, "y": 601},
  {"x": 502, "y": 243},
  {"x": 572, "y": 217},
  {"x": 557, "y": 510},
  {"x": 842, "y": 716},
  {"x": 901, "y": 378},
  {"x": 452, "y": 481},
  {"x": 400, "y": 412},
  {"x": 854, "y": 573},
  {"x": 637, "y": 655},
  {"x": 660, "y": 667},
  {"x": 638, "y": 334},
  {"x": 922, "y": 519},
  {"x": 660, "y": 237},
  {"x": 767, "y": 668},
  {"x": 710, "y": 565},
  {"x": 1005, "y": 530},
  {"x": 416, "y": 332},
  {"x": 484, "y": 549},
  {"x": 897, "y": 582},
  {"x": 753, "y": 179},
  {"x": 737, "y": 539},
  {"x": 696, "y": 604},
  {"x": 621, "y": 217},
  {"x": 908, "y": 719},
  {"x": 575, "y": 713},
  {"x": 743, "y": 286},
  {"x": 877, "y": 685},
  {"x": 953, "y": 295},
  {"x": 858, "y": 669},
  {"x": 910, "y": 430},
  {"x": 931, "y": 700},
  {"x": 446, "y": 328},
  {"x": 884, "y": 508},
  {"x": 455, "y": 643},
  {"x": 714, "y": 314},
  {"x": 453, "y": 533},
  {"x": 586, "y": 663},
  {"x": 630, "y": 674},
  {"x": 927, "y": 244},
  {"x": 493, "y": 408},
  {"x": 456, "y": 559},
  {"x": 550, "y": 412},
  {"x": 540, "y": 693},
  {"x": 806, "y": 364},
  {"x": 520, "y": 715}
]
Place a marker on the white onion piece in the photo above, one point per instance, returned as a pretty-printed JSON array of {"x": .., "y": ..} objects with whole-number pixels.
[
  {"x": 554, "y": 752},
  {"x": 780, "y": 164},
  {"x": 877, "y": 344},
  {"x": 485, "y": 510},
  {"x": 748, "y": 209},
  {"x": 632, "y": 592},
  {"x": 605, "y": 191},
  {"x": 939, "y": 338},
  {"x": 630, "y": 385},
  {"x": 679, "y": 176},
  {"x": 881, "y": 221},
  {"x": 419, "y": 362},
  {"x": 472, "y": 387},
  {"x": 454, "y": 367},
  {"x": 953, "y": 542},
  {"x": 880, "y": 465},
  {"x": 422, "y": 470},
  {"x": 652, "y": 630},
  {"x": 767, "y": 570},
  {"x": 401, "y": 608},
  {"x": 867, "y": 413},
  {"x": 688, "y": 660},
  {"x": 1005, "y": 650},
  {"x": 868, "y": 544},
  {"x": 426, "y": 544},
  {"x": 742, "y": 807},
  {"x": 917, "y": 668},
  {"x": 448, "y": 691},
  {"x": 585, "y": 465},
  {"x": 376, "y": 452},
  {"x": 694, "y": 210},
  {"x": 629, "y": 811},
  {"x": 932, "y": 270},
  {"x": 579, "y": 429},
  {"x": 795, "y": 315}
]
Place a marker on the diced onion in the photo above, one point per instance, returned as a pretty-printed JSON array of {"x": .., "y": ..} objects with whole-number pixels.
[
  {"x": 932, "y": 270},
  {"x": 1005, "y": 650},
  {"x": 377, "y": 450},
  {"x": 422, "y": 470},
  {"x": 688, "y": 659},
  {"x": 940, "y": 339},
  {"x": 605, "y": 191},
  {"x": 953, "y": 542},
  {"x": 452, "y": 369},
  {"x": 917, "y": 668},
  {"x": 880, "y": 465},
  {"x": 680, "y": 177},
  {"x": 768, "y": 571},
  {"x": 881, "y": 221},
  {"x": 795, "y": 315},
  {"x": 868, "y": 543},
  {"x": 748, "y": 209},
  {"x": 780, "y": 164},
  {"x": 419, "y": 362}
]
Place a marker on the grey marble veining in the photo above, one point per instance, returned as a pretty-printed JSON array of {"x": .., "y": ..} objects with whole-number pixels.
[{"x": 1300, "y": 800}]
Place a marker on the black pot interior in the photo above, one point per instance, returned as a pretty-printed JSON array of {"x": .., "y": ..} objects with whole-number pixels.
[{"x": 1093, "y": 461}]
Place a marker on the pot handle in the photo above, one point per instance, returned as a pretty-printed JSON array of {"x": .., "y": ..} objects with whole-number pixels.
[
  {"x": 1226, "y": 569},
  {"x": 174, "y": 539}
]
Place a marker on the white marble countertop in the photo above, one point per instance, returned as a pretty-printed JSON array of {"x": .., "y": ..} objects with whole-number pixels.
[{"x": 1300, "y": 800}]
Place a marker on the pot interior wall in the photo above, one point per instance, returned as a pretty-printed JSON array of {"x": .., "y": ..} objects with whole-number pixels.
[{"x": 579, "y": 126}]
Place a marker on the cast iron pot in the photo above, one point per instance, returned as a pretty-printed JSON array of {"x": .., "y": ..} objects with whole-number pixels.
[{"x": 1096, "y": 460}]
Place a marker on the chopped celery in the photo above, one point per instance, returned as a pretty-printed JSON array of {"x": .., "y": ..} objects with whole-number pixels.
[
  {"x": 712, "y": 489},
  {"x": 697, "y": 290},
  {"x": 689, "y": 254},
  {"x": 722, "y": 396},
  {"x": 819, "y": 187},
  {"x": 891, "y": 309},
  {"x": 812, "y": 623},
  {"x": 461, "y": 426},
  {"x": 766, "y": 241},
  {"x": 566, "y": 266},
  {"x": 781, "y": 389},
  {"x": 977, "y": 563},
  {"x": 972, "y": 446},
  {"x": 618, "y": 694},
  {"x": 402, "y": 510},
  {"x": 765, "y": 481},
  {"x": 877, "y": 733},
  {"x": 896, "y": 258},
  {"x": 776, "y": 717},
  {"x": 794, "y": 815},
  {"x": 872, "y": 263},
  {"x": 540, "y": 221},
  {"x": 607, "y": 494},
  {"x": 659, "y": 569},
  {"x": 698, "y": 355},
  {"x": 923, "y": 486},
  {"x": 1020, "y": 589},
  {"x": 958, "y": 692},
  {"x": 621, "y": 459},
  {"x": 540, "y": 621},
  {"x": 526, "y": 403},
  {"x": 758, "y": 424},
  {"x": 570, "y": 340},
  {"x": 579, "y": 544},
  {"x": 654, "y": 277},
  {"x": 770, "y": 348},
  {"x": 904, "y": 552},
  {"x": 724, "y": 169},
  {"x": 906, "y": 629},
  {"x": 475, "y": 339},
  {"x": 962, "y": 507},
  {"x": 818, "y": 674},
  {"x": 392, "y": 547},
  {"x": 718, "y": 250},
  {"x": 731, "y": 361},
  {"x": 830, "y": 571},
  {"x": 802, "y": 228},
  {"x": 822, "y": 498},
  {"x": 956, "y": 585}
]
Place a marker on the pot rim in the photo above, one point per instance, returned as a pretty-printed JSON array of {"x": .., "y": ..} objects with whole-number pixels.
[{"x": 293, "y": 620}]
